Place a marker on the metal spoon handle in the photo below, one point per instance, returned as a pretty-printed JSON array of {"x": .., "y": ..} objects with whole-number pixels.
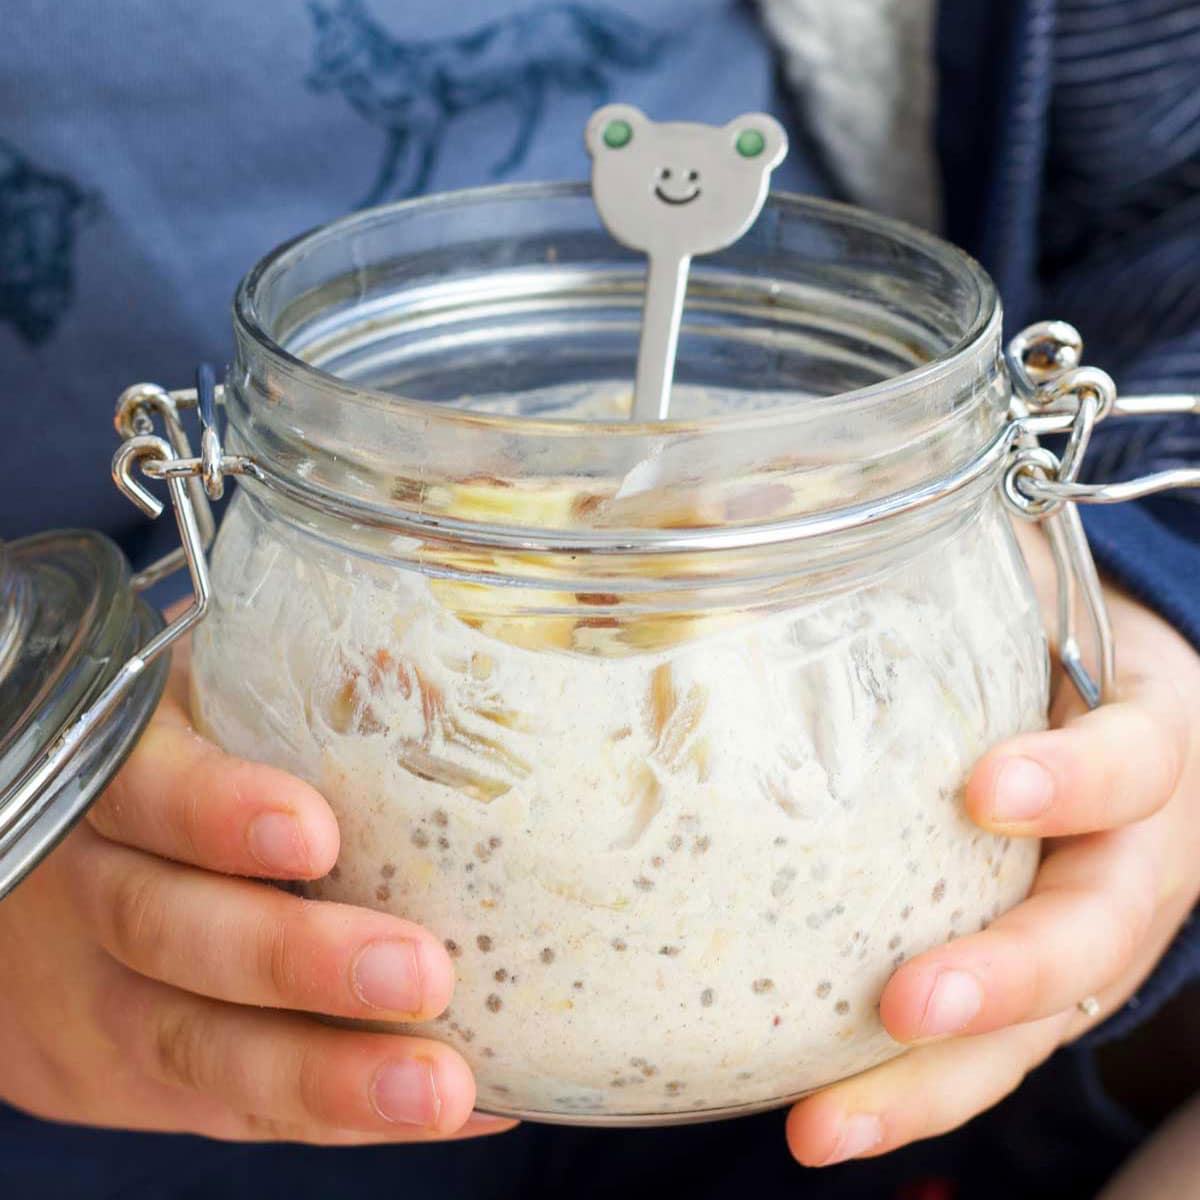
[{"x": 662, "y": 312}]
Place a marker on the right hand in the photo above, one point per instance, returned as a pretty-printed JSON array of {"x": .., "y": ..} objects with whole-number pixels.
[{"x": 148, "y": 984}]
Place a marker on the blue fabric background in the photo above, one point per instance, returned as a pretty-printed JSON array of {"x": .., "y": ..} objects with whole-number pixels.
[{"x": 152, "y": 150}]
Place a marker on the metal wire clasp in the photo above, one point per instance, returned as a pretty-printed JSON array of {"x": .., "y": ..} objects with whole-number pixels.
[
  {"x": 192, "y": 481},
  {"x": 1053, "y": 393}
]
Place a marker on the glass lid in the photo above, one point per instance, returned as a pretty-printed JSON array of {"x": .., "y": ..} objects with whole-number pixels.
[{"x": 69, "y": 622}]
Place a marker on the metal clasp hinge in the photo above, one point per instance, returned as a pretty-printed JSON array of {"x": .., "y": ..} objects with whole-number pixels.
[
  {"x": 200, "y": 479},
  {"x": 162, "y": 459},
  {"x": 1053, "y": 393}
]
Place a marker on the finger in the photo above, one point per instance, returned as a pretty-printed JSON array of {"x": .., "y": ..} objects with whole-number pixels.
[
  {"x": 237, "y": 1128},
  {"x": 249, "y": 943},
  {"x": 307, "y": 1078},
  {"x": 183, "y": 798},
  {"x": 918, "y": 1095},
  {"x": 1091, "y": 906},
  {"x": 1103, "y": 769}
]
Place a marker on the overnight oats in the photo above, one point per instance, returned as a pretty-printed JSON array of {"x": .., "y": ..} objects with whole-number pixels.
[{"x": 677, "y": 803}]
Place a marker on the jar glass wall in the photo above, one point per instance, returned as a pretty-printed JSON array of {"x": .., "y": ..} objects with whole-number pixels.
[{"x": 678, "y": 789}]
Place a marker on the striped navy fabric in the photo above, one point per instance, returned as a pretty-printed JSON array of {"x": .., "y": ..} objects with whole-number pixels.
[
  {"x": 1121, "y": 216},
  {"x": 1092, "y": 179}
]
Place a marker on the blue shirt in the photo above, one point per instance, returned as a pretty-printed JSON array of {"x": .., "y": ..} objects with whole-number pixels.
[{"x": 151, "y": 151}]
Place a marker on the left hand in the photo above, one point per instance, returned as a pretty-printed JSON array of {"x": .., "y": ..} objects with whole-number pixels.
[{"x": 1117, "y": 792}]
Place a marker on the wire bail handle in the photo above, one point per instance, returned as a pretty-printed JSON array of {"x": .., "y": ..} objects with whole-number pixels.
[
  {"x": 155, "y": 457},
  {"x": 191, "y": 482},
  {"x": 1053, "y": 393}
]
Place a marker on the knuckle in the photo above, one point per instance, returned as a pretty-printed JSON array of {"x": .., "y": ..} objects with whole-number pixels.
[
  {"x": 269, "y": 1129},
  {"x": 311, "y": 1089},
  {"x": 180, "y": 1054},
  {"x": 277, "y": 958},
  {"x": 190, "y": 823},
  {"x": 136, "y": 917}
]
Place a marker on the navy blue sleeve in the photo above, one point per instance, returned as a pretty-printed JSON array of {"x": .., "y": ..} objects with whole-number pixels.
[
  {"x": 1089, "y": 211},
  {"x": 1154, "y": 553}
]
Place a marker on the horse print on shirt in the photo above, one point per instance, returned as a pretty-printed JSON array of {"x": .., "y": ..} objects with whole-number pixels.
[
  {"x": 413, "y": 89},
  {"x": 40, "y": 214}
]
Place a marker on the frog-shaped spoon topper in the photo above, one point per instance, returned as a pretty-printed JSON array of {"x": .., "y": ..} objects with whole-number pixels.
[{"x": 675, "y": 190}]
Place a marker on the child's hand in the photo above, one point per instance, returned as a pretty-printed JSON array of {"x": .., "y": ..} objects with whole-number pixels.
[
  {"x": 1118, "y": 790},
  {"x": 146, "y": 987}
]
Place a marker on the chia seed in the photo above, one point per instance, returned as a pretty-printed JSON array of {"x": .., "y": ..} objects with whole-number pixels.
[
  {"x": 783, "y": 880},
  {"x": 440, "y": 819},
  {"x": 643, "y": 884},
  {"x": 452, "y": 948},
  {"x": 707, "y": 997},
  {"x": 547, "y": 955},
  {"x": 676, "y": 843},
  {"x": 500, "y": 976},
  {"x": 444, "y": 843},
  {"x": 894, "y": 944},
  {"x": 387, "y": 870},
  {"x": 823, "y": 989},
  {"x": 618, "y": 944},
  {"x": 494, "y": 1003},
  {"x": 669, "y": 951},
  {"x": 939, "y": 891},
  {"x": 673, "y": 1088},
  {"x": 842, "y": 1007},
  {"x": 701, "y": 845},
  {"x": 760, "y": 986},
  {"x": 484, "y": 942},
  {"x": 383, "y": 893}
]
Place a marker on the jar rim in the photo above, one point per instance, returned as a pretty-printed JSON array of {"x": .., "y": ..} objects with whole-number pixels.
[{"x": 248, "y": 321}]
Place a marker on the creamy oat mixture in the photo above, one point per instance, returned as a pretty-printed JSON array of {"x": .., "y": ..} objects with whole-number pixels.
[{"x": 674, "y": 863}]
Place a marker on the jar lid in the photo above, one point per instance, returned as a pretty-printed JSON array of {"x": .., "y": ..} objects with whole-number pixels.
[{"x": 70, "y": 624}]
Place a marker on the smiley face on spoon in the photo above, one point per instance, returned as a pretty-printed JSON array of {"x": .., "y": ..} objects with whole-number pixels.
[{"x": 666, "y": 175}]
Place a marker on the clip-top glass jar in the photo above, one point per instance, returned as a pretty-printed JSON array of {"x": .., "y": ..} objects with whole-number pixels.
[
  {"x": 679, "y": 789},
  {"x": 662, "y": 726}
]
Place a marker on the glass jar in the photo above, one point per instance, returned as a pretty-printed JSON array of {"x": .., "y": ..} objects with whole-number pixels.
[{"x": 679, "y": 788}]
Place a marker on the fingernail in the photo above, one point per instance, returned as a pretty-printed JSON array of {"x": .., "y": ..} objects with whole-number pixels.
[
  {"x": 1024, "y": 790},
  {"x": 954, "y": 1001},
  {"x": 275, "y": 839},
  {"x": 860, "y": 1133},
  {"x": 387, "y": 975},
  {"x": 405, "y": 1093}
]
